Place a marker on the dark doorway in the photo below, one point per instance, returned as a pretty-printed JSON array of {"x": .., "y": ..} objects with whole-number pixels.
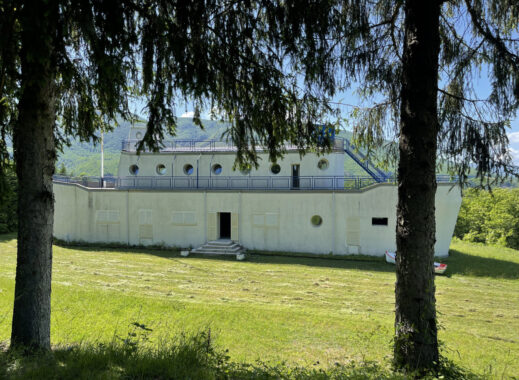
[
  {"x": 225, "y": 225},
  {"x": 295, "y": 176}
]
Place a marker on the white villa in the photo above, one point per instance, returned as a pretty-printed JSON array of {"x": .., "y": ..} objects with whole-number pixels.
[{"x": 187, "y": 195}]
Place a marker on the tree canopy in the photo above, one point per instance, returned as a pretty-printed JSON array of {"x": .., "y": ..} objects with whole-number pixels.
[
  {"x": 479, "y": 44},
  {"x": 225, "y": 56}
]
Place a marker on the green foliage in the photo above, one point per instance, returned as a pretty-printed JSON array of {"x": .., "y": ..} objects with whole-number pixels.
[
  {"x": 368, "y": 39},
  {"x": 235, "y": 61},
  {"x": 188, "y": 356},
  {"x": 8, "y": 201},
  {"x": 62, "y": 170},
  {"x": 491, "y": 218}
]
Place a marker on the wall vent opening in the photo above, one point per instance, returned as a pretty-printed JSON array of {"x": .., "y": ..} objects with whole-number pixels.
[{"x": 379, "y": 221}]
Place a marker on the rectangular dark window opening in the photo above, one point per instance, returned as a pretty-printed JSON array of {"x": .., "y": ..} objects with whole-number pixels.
[
  {"x": 225, "y": 225},
  {"x": 379, "y": 221},
  {"x": 295, "y": 176}
]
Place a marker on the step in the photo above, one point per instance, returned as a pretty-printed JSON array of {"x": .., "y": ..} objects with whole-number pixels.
[
  {"x": 209, "y": 252},
  {"x": 220, "y": 245},
  {"x": 219, "y": 249},
  {"x": 223, "y": 242}
]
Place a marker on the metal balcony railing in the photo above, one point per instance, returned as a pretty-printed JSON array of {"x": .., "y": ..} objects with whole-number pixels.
[
  {"x": 91, "y": 182},
  {"x": 344, "y": 183},
  {"x": 245, "y": 183},
  {"x": 172, "y": 146}
]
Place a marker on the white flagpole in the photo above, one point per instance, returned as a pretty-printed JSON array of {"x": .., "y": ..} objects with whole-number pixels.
[{"x": 102, "y": 160}]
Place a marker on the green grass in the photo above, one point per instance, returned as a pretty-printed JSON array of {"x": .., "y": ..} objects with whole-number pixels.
[
  {"x": 299, "y": 310},
  {"x": 189, "y": 357}
]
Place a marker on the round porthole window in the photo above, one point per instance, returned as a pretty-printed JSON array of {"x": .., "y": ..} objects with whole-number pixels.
[
  {"x": 138, "y": 135},
  {"x": 217, "y": 169},
  {"x": 316, "y": 220},
  {"x": 161, "y": 169},
  {"x": 323, "y": 164},
  {"x": 188, "y": 169},
  {"x": 275, "y": 169},
  {"x": 134, "y": 169}
]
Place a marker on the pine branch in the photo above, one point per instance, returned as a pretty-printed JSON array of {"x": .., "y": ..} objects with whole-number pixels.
[
  {"x": 485, "y": 31},
  {"x": 461, "y": 97}
]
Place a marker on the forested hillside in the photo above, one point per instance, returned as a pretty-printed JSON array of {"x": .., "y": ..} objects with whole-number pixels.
[{"x": 84, "y": 159}]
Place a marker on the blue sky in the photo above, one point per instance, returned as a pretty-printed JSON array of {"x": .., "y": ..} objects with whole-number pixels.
[{"x": 513, "y": 134}]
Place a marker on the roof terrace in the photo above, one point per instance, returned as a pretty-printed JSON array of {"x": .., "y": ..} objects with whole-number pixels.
[{"x": 179, "y": 146}]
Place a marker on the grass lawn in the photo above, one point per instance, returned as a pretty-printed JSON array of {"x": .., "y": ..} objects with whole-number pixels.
[{"x": 298, "y": 310}]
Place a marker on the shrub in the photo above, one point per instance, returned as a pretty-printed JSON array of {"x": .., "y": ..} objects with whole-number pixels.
[{"x": 491, "y": 218}]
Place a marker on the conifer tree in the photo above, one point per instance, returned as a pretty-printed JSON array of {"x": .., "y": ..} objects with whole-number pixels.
[
  {"x": 417, "y": 61},
  {"x": 62, "y": 169},
  {"x": 77, "y": 63}
]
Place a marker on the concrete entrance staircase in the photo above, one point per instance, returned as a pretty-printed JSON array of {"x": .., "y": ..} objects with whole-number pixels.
[{"x": 220, "y": 247}]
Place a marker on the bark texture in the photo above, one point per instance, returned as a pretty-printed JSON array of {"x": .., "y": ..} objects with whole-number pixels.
[
  {"x": 35, "y": 159},
  {"x": 416, "y": 343}
]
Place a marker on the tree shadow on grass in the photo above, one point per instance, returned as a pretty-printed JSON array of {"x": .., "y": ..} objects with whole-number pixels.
[
  {"x": 159, "y": 251},
  {"x": 355, "y": 262},
  {"x": 365, "y": 263},
  {"x": 6, "y": 237},
  {"x": 460, "y": 263}
]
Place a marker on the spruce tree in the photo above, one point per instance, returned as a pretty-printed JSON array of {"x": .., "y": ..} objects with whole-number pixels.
[
  {"x": 77, "y": 64},
  {"x": 62, "y": 169},
  {"x": 418, "y": 62}
]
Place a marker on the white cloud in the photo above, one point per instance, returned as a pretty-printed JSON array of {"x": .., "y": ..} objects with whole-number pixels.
[
  {"x": 515, "y": 155},
  {"x": 188, "y": 114},
  {"x": 513, "y": 137}
]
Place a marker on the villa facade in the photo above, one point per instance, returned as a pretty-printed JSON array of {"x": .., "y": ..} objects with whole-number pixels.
[{"x": 188, "y": 194}]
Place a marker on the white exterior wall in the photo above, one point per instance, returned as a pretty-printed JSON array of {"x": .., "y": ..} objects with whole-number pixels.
[
  {"x": 270, "y": 220},
  {"x": 175, "y": 162}
]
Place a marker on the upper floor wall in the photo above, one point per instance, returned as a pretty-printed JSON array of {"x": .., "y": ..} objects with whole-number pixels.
[
  {"x": 220, "y": 165},
  {"x": 211, "y": 159}
]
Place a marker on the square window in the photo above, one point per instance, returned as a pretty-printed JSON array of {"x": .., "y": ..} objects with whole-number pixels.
[{"x": 379, "y": 221}]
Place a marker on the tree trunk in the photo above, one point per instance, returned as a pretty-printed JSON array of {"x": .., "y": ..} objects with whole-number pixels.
[
  {"x": 416, "y": 343},
  {"x": 35, "y": 156}
]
